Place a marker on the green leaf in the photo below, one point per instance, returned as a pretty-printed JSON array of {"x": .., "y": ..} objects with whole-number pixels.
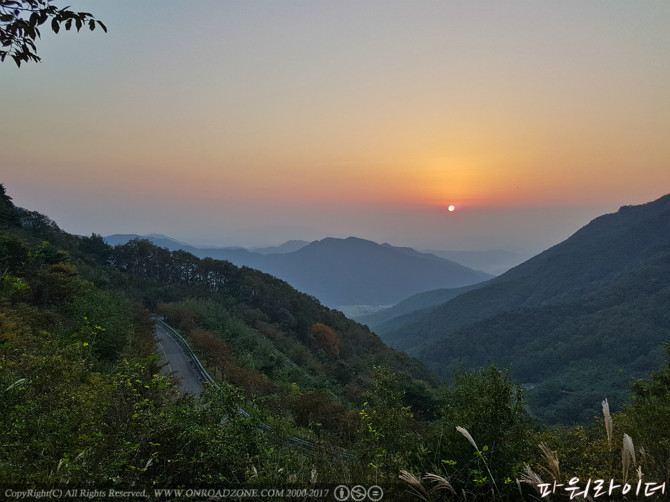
[
  {"x": 104, "y": 28},
  {"x": 55, "y": 26}
]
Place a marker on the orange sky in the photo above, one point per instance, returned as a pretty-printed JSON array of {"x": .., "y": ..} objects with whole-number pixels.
[{"x": 344, "y": 118}]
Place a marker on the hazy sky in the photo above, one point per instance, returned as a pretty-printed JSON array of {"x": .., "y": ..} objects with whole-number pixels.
[{"x": 254, "y": 122}]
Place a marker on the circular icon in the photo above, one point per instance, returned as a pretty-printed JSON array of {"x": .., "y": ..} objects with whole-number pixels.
[
  {"x": 342, "y": 493},
  {"x": 358, "y": 493},
  {"x": 375, "y": 493}
]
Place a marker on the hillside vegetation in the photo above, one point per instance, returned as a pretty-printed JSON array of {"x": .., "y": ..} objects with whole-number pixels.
[
  {"x": 83, "y": 405},
  {"x": 576, "y": 323}
]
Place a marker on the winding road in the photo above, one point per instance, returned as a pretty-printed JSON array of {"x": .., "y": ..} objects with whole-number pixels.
[
  {"x": 176, "y": 363},
  {"x": 180, "y": 362}
]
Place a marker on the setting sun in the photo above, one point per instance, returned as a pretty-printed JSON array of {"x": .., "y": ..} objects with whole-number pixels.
[{"x": 451, "y": 208}]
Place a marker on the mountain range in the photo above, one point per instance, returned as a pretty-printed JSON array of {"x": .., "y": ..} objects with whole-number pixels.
[
  {"x": 576, "y": 322},
  {"x": 339, "y": 272}
]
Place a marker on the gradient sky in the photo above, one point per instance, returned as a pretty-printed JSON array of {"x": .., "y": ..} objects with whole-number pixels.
[{"x": 255, "y": 122}]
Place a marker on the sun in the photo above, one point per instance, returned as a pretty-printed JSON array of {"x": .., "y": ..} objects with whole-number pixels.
[{"x": 451, "y": 208}]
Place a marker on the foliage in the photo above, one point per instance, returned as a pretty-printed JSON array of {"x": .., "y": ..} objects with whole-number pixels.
[
  {"x": 488, "y": 406},
  {"x": 326, "y": 339},
  {"x": 576, "y": 323},
  {"x": 80, "y": 383},
  {"x": 8, "y": 216},
  {"x": 391, "y": 437},
  {"x": 20, "y": 21},
  {"x": 647, "y": 420}
]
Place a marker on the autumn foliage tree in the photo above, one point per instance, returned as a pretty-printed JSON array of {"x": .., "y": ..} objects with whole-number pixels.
[{"x": 326, "y": 339}]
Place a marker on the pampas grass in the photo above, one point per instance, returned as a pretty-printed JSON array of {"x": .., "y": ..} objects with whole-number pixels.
[
  {"x": 608, "y": 422},
  {"x": 441, "y": 483},
  {"x": 417, "y": 489},
  {"x": 627, "y": 456},
  {"x": 532, "y": 478},
  {"x": 415, "y": 486},
  {"x": 551, "y": 457},
  {"x": 467, "y": 436}
]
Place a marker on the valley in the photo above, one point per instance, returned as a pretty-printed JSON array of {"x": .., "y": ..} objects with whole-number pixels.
[{"x": 514, "y": 359}]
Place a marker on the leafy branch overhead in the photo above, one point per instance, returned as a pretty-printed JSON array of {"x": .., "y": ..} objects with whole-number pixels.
[{"x": 20, "y": 21}]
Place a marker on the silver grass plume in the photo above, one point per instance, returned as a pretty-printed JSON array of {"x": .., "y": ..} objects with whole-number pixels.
[
  {"x": 608, "y": 422},
  {"x": 467, "y": 436},
  {"x": 531, "y": 478},
  {"x": 552, "y": 461},
  {"x": 627, "y": 455},
  {"x": 441, "y": 483},
  {"x": 415, "y": 486}
]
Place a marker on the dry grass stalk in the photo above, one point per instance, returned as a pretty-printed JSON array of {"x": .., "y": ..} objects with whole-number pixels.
[
  {"x": 627, "y": 456},
  {"x": 531, "y": 478},
  {"x": 415, "y": 486},
  {"x": 551, "y": 458},
  {"x": 518, "y": 485},
  {"x": 441, "y": 483},
  {"x": 313, "y": 476},
  {"x": 608, "y": 422},
  {"x": 467, "y": 436},
  {"x": 18, "y": 382}
]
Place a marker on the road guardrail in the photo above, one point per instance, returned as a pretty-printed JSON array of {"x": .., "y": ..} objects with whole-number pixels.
[{"x": 205, "y": 377}]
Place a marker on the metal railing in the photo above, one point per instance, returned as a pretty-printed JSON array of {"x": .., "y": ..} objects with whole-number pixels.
[{"x": 205, "y": 377}]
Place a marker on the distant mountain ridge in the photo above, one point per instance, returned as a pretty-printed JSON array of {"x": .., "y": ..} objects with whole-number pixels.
[
  {"x": 287, "y": 247},
  {"x": 569, "y": 320},
  {"x": 339, "y": 272}
]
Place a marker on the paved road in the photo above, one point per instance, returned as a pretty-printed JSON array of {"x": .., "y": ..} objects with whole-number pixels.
[{"x": 176, "y": 363}]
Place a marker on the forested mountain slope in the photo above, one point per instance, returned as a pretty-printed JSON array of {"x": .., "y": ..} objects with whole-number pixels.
[
  {"x": 82, "y": 404},
  {"x": 282, "y": 335},
  {"x": 348, "y": 271},
  {"x": 79, "y": 377},
  {"x": 576, "y": 322},
  {"x": 263, "y": 335}
]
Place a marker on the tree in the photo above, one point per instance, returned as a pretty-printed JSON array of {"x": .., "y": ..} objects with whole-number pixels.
[
  {"x": 492, "y": 409},
  {"x": 8, "y": 215},
  {"x": 390, "y": 436},
  {"x": 20, "y": 21},
  {"x": 647, "y": 421},
  {"x": 326, "y": 339}
]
